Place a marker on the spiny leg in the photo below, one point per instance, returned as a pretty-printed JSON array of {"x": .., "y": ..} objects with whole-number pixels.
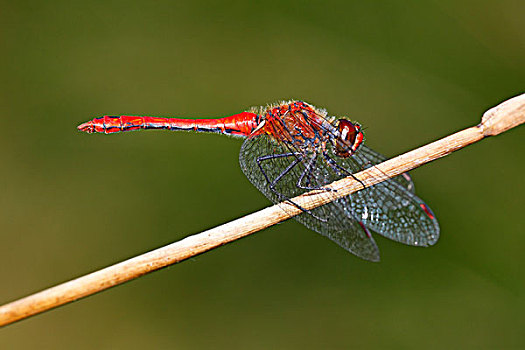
[
  {"x": 308, "y": 174},
  {"x": 284, "y": 172},
  {"x": 297, "y": 160},
  {"x": 307, "y": 171}
]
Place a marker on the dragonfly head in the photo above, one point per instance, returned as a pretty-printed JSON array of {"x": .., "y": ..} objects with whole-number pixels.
[{"x": 349, "y": 139}]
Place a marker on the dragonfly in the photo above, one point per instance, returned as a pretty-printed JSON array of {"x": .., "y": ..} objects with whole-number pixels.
[{"x": 292, "y": 147}]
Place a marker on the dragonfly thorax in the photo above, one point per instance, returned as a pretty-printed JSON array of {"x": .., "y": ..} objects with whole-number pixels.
[{"x": 308, "y": 129}]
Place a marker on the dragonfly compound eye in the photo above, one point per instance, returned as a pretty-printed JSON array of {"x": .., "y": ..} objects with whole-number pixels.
[{"x": 350, "y": 137}]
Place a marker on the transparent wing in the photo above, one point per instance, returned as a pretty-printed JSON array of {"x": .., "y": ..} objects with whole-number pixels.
[
  {"x": 388, "y": 208},
  {"x": 281, "y": 173}
]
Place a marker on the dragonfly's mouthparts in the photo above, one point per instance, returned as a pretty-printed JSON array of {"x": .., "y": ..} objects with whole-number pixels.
[{"x": 87, "y": 127}]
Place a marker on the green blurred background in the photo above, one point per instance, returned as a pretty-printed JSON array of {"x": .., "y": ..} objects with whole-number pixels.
[{"x": 410, "y": 72}]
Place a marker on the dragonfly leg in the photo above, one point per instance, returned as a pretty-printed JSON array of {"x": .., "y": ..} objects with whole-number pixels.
[
  {"x": 298, "y": 158},
  {"x": 284, "y": 172},
  {"x": 307, "y": 173},
  {"x": 339, "y": 169}
]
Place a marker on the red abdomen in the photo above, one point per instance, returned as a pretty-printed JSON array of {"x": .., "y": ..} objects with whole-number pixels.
[{"x": 241, "y": 124}]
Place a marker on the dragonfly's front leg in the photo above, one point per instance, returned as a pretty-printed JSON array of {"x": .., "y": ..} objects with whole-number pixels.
[{"x": 339, "y": 170}]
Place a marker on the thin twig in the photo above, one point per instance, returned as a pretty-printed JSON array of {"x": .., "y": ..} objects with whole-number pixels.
[{"x": 506, "y": 115}]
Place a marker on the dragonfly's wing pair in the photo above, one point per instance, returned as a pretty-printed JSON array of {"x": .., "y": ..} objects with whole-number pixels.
[
  {"x": 332, "y": 220},
  {"x": 389, "y": 208}
]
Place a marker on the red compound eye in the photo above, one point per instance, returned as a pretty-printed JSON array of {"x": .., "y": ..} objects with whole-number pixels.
[{"x": 350, "y": 138}]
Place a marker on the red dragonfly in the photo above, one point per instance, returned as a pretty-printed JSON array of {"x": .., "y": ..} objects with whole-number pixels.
[{"x": 293, "y": 147}]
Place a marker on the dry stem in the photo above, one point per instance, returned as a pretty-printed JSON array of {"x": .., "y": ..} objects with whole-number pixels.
[{"x": 506, "y": 115}]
